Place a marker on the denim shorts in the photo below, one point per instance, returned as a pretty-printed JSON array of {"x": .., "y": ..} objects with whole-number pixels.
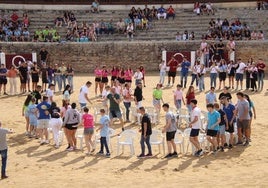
[
  {"x": 221, "y": 131},
  {"x": 88, "y": 131}
]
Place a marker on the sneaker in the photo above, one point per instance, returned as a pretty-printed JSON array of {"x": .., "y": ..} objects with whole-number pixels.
[
  {"x": 42, "y": 142},
  {"x": 123, "y": 128},
  {"x": 246, "y": 143},
  {"x": 222, "y": 148},
  {"x": 57, "y": 146},
  {"x": 46, "y": 141},
  {"x": 239, "y": 143},
  {"x": 249, "y": 139},
  {"x": 201, "y": 153},
  {"x": 230, "y": 146},
  {"x": 108, "y": 155},
  {"x": 70, "y": 149},
  {"x": 175, "y": 154},
  {"x": 92, "y": 151},
  {"x": 141, "y": 156},
  {"x": 225, "y": 145},
  {"x": 100, "y": 153},
  {"x": 149, "y": 155},
  {"x": 168, "y": 156},
  {"x": 5, "y": 93},
  {"x": 215, "y": 152}
]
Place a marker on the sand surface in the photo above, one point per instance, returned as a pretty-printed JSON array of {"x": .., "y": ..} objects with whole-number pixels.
[{"x": 32, "y": 165}]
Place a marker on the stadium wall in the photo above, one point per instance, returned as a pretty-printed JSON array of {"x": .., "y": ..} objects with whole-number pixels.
[{"x": 85, "y": 56}]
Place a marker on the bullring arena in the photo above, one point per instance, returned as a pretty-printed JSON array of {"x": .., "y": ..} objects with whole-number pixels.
[{"x": 31, "y": 164}]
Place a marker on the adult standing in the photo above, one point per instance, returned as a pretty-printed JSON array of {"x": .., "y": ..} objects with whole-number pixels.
[
  {"x": 50, "y": 93},
  {"x": 83, "y": 95},
  {"x": 261, "y": 68},
  {"x": 71, "y": 121},
  {"x": 12, "y": 75},
  {"x": 231, "y": 73},
  {"x": 138, "y": 76},
  {"x": 173, "y": 65},
  {"x": 170, "y": 130},
  {"x": 63, "y": 71},
  {"x": 162, "y": 69},
  {"x": 204, "y": 49},
  {"x": 55, "y": 123},
  {"x": 194, "y": 72},
  {"x": 35, "y": 75},
  {"x": 190, "y": 95},
  {"x": 70, "y": 75},
  {"x": 43, "y": 56},
  {"x": 3, "y": 78},
  {"x": 226, "y": 94},
  {"x": 185, "y": 65},
  {"x": 195, "y": 125},
  {"x": 230, "y": 46},
  {"x": 222, "y": 68},
  {"x": 3, "y": 149},
  {"x": 114, "y": 109},
  {"x": 127, "y": 92},
  {"x": 240, "y": 74},
  {"x": 213, "y": 74},
  {"x": 43, "y": 120},
  {"x": 243, "y": 118},
  {"x": 44, "y": 75},
  {"x": 146, "y": 131},
  {"x": 138, "y": 97},
  {"x": 57, "y": 75},
  {"x": 23, "y": 73}
]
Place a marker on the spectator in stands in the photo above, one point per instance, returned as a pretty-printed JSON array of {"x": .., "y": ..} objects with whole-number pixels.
[
  {"x": 25, "y": 35},
  {"x": 178, "y": 36},
  {"x": 120, "y": 26},
  {"x": 154, "y": 12},
  {"x": 26, "y": 21},
  {"x": 247, "y": 34},
  {"x": 161, "y": 13},
  {"x": 254, "y": 35},
  {"x": 192, "y": 36},
  {"x": 96, "y": 26},
  {"x": 230, "y": 46},
  {"x": 56, "y": 37},
  {"x": 43, "y": 55},
  {"x": 92, "y": 34},
  {"x": 72, "y": 23},
  {"x": 144, "y": 23},
  {"x": 170, "y": 12},
  {"x": 130, "y": 31},
  {"x": 209, "y": 8},
  {"x": 59, "y": 21},
  {"x": 66, "y": 17},
  {"x": 132, "y": 14},
  {"x": 16, "y": 35},
  {"x": 2, "y": 34},
  {"x": 203, "y": 8},
  {"x": 197, "y": 8},
  {"x": 137, "y": 23},
  {"x": 185, "y": 35},
  {"x": 103, "y": 28},
  {"x": 110, "y": 27},
  {"x": 146, "y": 12},
  {"x": 95, "y": 7},
  {"x": 260, "y": 35},
  {"x": 225, "y": 25},
  {"x": 69, "y": 35}
]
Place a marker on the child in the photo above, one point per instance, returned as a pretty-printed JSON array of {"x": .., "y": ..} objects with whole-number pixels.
[
  {"x": 221, "y": 133},
  {"x": 214, "y": 118},
  {"x": 88, "y": 123},
  {"x": 178, "y": 97},
  {"x": 104, "y": 131},
  {"x": 32, "y": 112}
]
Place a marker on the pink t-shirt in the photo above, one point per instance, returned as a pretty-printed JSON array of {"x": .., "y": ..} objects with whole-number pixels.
[
  {"x": 178, "y": 94},
  {"x": 128, "y": 74},
  {"x": 88, "y": 121},
  {"x": 105, "y": 73},
  {"x": 114, "y": 72},
  {"x": 98, "y": 72}
]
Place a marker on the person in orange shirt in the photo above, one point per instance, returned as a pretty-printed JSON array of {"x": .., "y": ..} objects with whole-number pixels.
[{"x": 12, "y": 74}]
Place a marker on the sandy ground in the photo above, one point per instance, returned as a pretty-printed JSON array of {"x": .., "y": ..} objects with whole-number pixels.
[{"x": 32, "y": 165}]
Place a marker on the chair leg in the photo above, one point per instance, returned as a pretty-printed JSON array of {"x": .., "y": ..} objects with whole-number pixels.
[
  {"x": 81, "y": 143},
  {"x": 164, "y": 148},
  {"x": 159, "y": 148}
]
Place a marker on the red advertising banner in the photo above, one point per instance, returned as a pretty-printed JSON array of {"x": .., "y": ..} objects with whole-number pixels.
[{"x": 15, "y": 59}]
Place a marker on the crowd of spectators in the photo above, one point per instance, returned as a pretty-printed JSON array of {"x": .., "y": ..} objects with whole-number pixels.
[
  {"x": 47, "y": 34},
  {"x": 14, "y": 28},
  {"x": 223, "y": 29},
  {"x": 203, "y": 8}
]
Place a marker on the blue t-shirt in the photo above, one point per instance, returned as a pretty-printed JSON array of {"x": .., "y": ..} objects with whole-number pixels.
[
  {"x": 43, "y": 108},
  {"x": 212, "y": 119},
  {"x": 104, "y": 121},
  {"x": 185, "y": 67},
  {"x": 3, "y": 71},
  {"x": 211, "y": 97},
  {"x": 229, "y": 111}
]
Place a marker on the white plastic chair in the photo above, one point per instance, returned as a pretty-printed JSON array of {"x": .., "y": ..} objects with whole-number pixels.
[
  {"x": 152, "y": 113},
  {"x": 80, "y": 136},
  {"x": 157, "y": 138},
  {"x": 201, "y": 139},
  {"x": 184, "y": 115},
  {"x": 179, "y": 140},
  {"x": 110, "y": 134},
  {"x": 135, "y": 115},
  {"x": 126, "y": 138}
]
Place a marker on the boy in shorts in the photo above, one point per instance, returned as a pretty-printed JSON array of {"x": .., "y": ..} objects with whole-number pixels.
[
  {"x": 214, "y": 118},
  {"x": 221, "y": 133},
  {"x": 170, "y": 129}
]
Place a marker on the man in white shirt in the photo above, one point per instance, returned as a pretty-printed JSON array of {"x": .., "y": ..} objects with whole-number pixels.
[
  {"x": 50, "y": 93},
  {"x": 195, "y": 124},
  {"x": 239, "y": 73},
  {"x": 138, "y": 76},
  {"x": 83, "y": 95}
]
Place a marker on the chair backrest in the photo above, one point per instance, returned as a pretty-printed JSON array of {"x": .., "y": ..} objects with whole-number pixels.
[
  {"x": 98, "y": 108},
  {"x": 183, "y": 111},
  {"x": 187, "y": 132},
  {"x": 111, "y": 132},
  {"x": 156, "y": 136},
  {"x": 79, "y": 132},
  {"x": 127, "y": 136},
  {"x": 179, "y": 135}
]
